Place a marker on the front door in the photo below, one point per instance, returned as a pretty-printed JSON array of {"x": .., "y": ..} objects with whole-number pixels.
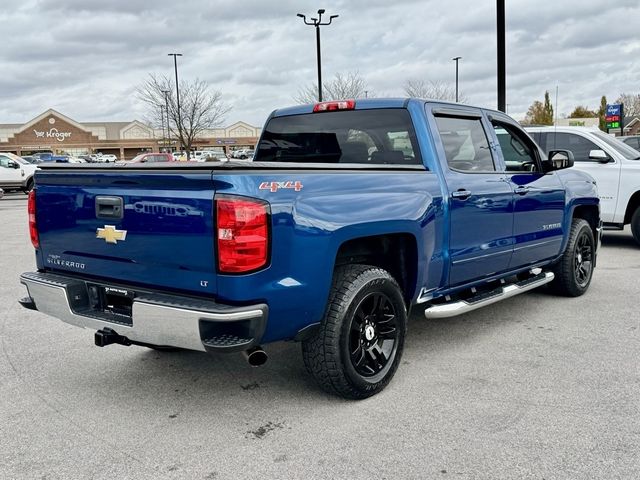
[{"x": 539, "y": 199}]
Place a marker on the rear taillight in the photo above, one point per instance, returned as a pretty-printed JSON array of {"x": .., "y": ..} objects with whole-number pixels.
[
  {"x": 242, "y": 233},
  {"x": 33, "y": 229},
  {"x": 335, "y": 105}
]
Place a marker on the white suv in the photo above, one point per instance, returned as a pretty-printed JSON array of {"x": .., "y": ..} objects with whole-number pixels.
[
  {"x": 614, "y": 165},
  {"x": 16, "y": 173}
]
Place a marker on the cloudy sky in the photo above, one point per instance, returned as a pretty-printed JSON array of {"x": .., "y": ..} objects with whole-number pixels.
[{"x": 85, "y": 58}]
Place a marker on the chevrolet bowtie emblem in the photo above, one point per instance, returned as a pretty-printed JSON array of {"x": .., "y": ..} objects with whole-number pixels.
[{"x": 111, "y": 234}]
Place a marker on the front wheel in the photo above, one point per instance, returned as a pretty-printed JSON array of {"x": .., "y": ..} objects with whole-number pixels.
[
  {"x": 574, "y": 271},
  {"x": 28, "y": 187},
  {"x": 635, "y": 225},
  {"x": 358, "y": 347}
]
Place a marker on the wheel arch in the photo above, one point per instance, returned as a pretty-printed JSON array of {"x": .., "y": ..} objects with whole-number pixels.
[
  {"x": 396, "y": 253},
  {"x": 632, "y": 205},
  {"x": 591, "y": 214}
]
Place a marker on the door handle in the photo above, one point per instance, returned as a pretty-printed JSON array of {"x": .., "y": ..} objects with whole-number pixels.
[
  {"x": 461, "y": 194},
  {"x": 109, "y": 207},
  {"x": 522, "y": 190}
]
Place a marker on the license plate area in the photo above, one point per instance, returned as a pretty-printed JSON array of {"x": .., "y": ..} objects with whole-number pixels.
[{"x": 110, "y": 303}]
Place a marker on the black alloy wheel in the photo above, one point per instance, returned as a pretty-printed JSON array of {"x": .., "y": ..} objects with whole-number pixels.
[
  {"x": 583, "y": 259},
  {"x": 574, "y": 271},
  {"x": 373, "y": 334},
  {"x": 358, "y": 345}
]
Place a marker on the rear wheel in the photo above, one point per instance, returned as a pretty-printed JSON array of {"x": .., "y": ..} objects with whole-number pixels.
[
  {"x": 574, "y": 270},
  {"x": 359, "y": 344},
  {"x": 635, "y": 225}
]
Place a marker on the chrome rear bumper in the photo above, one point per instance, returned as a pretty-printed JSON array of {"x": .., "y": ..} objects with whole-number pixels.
[{"x": 156, "y": 319}]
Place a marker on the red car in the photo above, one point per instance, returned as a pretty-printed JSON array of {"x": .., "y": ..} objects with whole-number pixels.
[{"x": 153, "y": 157}]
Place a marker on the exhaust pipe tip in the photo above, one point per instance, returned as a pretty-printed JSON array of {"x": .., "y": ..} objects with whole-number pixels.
[{"x": 256, "y": 356}]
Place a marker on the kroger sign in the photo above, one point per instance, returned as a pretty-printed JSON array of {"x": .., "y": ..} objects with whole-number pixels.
[{"x": 53, "y": 133}]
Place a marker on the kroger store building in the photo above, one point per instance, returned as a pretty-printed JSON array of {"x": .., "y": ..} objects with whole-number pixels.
[{"x": 55, "y": 132}]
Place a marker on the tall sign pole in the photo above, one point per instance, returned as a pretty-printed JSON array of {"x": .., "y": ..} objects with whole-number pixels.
[{"x": 502, "y": 87}]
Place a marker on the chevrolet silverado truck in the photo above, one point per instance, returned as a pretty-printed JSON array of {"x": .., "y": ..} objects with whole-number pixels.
[
  {"x": 613, "y": 164},
  {"x": 351, "y": 214}
]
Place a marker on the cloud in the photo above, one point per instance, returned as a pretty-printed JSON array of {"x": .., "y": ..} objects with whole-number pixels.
[{"x": 86, "y": 57}]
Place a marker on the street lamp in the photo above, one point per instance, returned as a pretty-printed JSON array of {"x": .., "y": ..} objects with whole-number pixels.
[
  {"x": 166, "y": 109},
  {"x": 317, "y": 22},
  {"x": 502, "y": 62},
  {"x": 456, "y": 59},
  {"x": 175, "y": 66},
  {"x": 162, "y": 122}
]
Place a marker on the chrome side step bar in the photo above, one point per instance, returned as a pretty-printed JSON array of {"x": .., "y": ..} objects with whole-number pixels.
[{"x": 463, "y": 306}]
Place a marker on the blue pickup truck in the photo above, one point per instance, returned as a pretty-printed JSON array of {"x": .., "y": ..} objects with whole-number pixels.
[{"x": 351, "y": 214}]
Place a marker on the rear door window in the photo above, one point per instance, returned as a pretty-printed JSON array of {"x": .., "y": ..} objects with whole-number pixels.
[
  {"x": 376, "y": 137},
  {"x": 579, "y": 146},
  {"x": 465, "y": 144}
]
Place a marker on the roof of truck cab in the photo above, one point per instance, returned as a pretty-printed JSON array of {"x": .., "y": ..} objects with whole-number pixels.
[{"x": 369, "y": 103}]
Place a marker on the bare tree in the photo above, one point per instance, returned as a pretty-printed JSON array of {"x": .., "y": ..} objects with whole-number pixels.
[
  {"x": 343, "y": 86},
  {"x": 200, "y": 108},
  {"x": 631, "y": 102},
  {"x": 436, "y": 90}
]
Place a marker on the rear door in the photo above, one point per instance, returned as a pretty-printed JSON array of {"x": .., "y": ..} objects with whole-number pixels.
[
  {"x": 481, "y": 201},
  {"x": 141, "y": 228},
  {"x": 607, "y": 175}
]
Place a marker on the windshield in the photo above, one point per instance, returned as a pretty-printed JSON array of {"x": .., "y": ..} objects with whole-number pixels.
[
  {"x": 16, "y": 158},
  {"x": 376, "y": 136},
  {"x": 622, "y": 148}
]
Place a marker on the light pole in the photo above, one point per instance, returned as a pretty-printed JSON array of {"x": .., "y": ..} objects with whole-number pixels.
[
  {"x": 166, "y": 109},
  {"x": 175, "y": 66},
  {"x": 502, "y": 69},
  {"x": 162, "y": 122},
  {"x": 456, "y": 59},
  {"x": 317, "y": 22}
]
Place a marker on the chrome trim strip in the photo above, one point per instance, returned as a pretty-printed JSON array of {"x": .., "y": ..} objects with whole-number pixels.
[
  {"x": 555, "y": 240},
  {"x": 458, "y": 308},
  {"x": 465, "y": 260}
]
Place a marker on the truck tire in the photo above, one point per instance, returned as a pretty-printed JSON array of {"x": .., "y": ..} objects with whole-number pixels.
[
  {"x": 574, "y": 270},
  {"x": 28, "y": 187},
  {"x": 635, "y": 225},
  {"x": 359, "y": 344}
]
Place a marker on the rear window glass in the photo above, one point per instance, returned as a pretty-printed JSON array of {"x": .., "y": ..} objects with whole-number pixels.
[{"x": 376, "y": 137}]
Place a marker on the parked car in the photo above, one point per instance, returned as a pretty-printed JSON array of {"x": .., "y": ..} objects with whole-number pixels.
[
  {"x": 319, "y": 241},
  {"x": 50, "y": 157},
  {"x": 243, "y": 153},
  {"x": 614, "y": 165},
  {"x": 208, "y": 156},
  {"x": 16, "y": 173},
  {"x": 632, "y": 140},
  {"x": 30, "y": 159},
  {"x": 152, "y": 157}
]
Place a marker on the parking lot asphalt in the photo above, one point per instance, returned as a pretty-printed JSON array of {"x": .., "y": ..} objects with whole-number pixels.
[{"x": 535, "y": 387}]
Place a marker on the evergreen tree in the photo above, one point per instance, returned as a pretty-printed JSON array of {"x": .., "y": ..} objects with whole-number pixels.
[
  {"x": 602, "y": 112},
  {"x": 548, "y": 110}
]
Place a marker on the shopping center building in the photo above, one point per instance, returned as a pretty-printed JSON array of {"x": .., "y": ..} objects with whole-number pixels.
[{"x": 54, "y": 132}]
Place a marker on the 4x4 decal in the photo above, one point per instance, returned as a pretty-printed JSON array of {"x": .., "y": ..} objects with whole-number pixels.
[{"x": 275, "y": 186}]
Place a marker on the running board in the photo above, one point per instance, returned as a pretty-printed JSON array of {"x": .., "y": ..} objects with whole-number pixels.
[{"x": 463, "y": 306}]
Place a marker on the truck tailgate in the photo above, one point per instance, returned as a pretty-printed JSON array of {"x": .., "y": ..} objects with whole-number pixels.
[{"x": 145, "y": 228}]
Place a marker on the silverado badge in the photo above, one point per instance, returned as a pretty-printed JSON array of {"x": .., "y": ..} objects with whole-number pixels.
[{"x": 111, "y": 234}]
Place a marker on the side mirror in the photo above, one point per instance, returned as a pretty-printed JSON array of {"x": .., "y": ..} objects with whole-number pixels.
[
  {"x": 558, "y": 159},
  {"x": 13, "y": 164},
  {"x": 600, "y": 155}
]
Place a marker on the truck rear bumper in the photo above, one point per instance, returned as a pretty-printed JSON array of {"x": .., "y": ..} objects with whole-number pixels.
[{"x": 146, "y": 317}]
